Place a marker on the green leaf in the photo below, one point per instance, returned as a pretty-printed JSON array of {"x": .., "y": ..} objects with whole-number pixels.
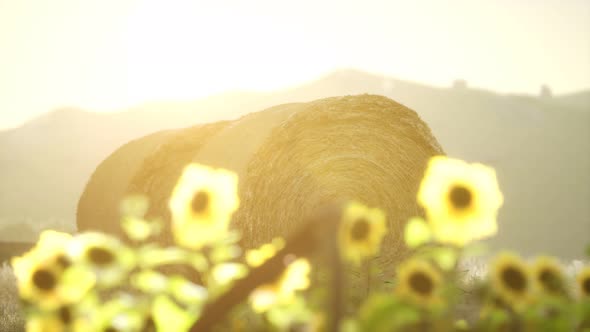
[
  {"x": 225, "y": 273},
  {"x": 476, "y": 249},
  {"x": 497, "y": 319},
  {"x": 461, "y": 325},
  {"x": 445, "y": 257},
  {"x": 169, "y": 317},
  {"x": 134, "y": 206},
  {"x": 186, "y": 291},
  {"x": 151, "y": 255},
  {"x": 150, "y": 282},
  {"x": 349, "y": 325},
  {"x": 224, "y": 253},
  {"x": 290, "y": 314},
  {"x": 417, "y": 232},
  {"x": 136, "y": 229},
  {"x": 588, "y": 250},
  {"x": 384, "y": 312}
]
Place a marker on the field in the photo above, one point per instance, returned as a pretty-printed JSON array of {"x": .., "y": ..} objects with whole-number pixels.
[
  {"x": 12, "y": 318},
  {"x": 341, "y": 266}
]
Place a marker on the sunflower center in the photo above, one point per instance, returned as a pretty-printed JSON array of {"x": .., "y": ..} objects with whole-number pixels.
[
  {"x": 360, "y": 229},
  {"x": 549, "y": 280},
  {"x": 63, "y": 261},
  {"x": 460, "y": 197},
  {"x": 421, "y": 283},
  {"x": 44, "y": 279},
  {"x": 100, "y": 256},
  {"x": 65, "y": 315},
  {"x": 514, "y": 279},
  {"x": 200, "y": 201},
  {"x": 586, "y": 286},
  {"x": 149, "y": 324}
]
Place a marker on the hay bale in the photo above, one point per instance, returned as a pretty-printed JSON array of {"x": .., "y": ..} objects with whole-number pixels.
[
  {"x": 98, "y": 207},
  {"x": 117, "y": 176},
  {"x": 292, "y": 158}
]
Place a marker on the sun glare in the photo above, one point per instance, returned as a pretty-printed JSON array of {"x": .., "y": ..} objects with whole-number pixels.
[{"x": 181, "y": 50}]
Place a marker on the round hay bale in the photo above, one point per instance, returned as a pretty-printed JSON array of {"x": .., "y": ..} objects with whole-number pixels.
[
  {"x": 290, "y": 159},
  {"x": 98, "y": 207},
  {"x": 293, "y": 158},
  {"x": 164, "y": 153}
]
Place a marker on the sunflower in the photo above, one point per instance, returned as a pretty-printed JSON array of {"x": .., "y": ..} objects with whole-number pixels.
[
  {"x": 121, "y": 313},
  {"x": 45, "y": 275},
  {"x": 293, "y": 279},
  {"x": 461, "y": 200},
  {"x": 361, "y": 232},
  {"x": 105, "y": 256},
  {"x": 510, "y": 279},
  {"x": 548, "y": 276},
  {"x": 419, "y": 282},
  {"x": 202, "y": 204},
  {"x": 62, "y": 319},
  {"x": 583, "y": 281}
]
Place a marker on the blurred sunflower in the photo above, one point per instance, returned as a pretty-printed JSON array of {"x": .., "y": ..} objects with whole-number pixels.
[
  {"x": 104, "y": 255},
  {"x": 294, "y": 278},
  {"x": 202, "y": 204},
  {"x": 419, "y": 282},
  {"x": 510, "y": 279},
  {"x": 461, "y": 200},
  {"x": 361, "y": 232},
  {"x": 121, "y": 313},
  {"x": 62, "y": 319},
  {"x": 583, "y": 281},
  {"x": 548, "y": 276},
  {"x": 45, "y": 275}
]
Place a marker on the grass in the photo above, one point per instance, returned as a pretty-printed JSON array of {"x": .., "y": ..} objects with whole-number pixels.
[{"x": 12, "y": 318}]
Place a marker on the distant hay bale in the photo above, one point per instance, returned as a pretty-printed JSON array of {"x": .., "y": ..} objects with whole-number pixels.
[
  {"x": 133, "y": 163},
  {"x": 290, "y": 159}
]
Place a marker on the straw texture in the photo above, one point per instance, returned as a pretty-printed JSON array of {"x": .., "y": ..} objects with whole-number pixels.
[{"x": 290, "y": 159}]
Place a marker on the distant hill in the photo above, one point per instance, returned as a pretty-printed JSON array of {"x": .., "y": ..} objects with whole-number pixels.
[{"x": 539, "y": 146}]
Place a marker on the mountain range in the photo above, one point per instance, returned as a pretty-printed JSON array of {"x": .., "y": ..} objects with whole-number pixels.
[{"x": 539, "y": 146}]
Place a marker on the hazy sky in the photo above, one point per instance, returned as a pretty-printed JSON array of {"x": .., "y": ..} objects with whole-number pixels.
[{"x": 109, "y": 54}]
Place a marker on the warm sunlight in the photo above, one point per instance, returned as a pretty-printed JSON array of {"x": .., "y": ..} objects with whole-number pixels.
[
  {"x": 198, "y": 50},
  {"x": 309, "y": 165},
  {"x": 115, "y": 54}
]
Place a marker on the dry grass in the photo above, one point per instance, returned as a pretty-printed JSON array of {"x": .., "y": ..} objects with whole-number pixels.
[{"x": 11, "y": 317}]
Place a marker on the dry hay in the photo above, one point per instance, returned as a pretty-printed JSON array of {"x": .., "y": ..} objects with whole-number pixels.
[
  {"x": 367, "y": 148},
  {"x": 155, "y": 161},
  {"x": 292, "y": 158},
  {"x": 98, "y": 207}
]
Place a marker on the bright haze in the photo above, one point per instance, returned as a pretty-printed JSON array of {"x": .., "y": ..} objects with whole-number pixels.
[{"x": 112, "y": 54}]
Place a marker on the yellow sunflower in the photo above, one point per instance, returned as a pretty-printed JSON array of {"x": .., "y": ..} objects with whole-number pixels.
[
  {"x": 461, "y": 200},
  {"x": 293, "y": 279},
  {"x": 419, "y": 282},
  {"x": 548, "y": 276},
  {"x": 361, "y": 232},
  {"x": 61, "y": 319},
  {"x": 583, "y": 281},
  {"x": 510, "y": 279},
  {"x": 45, "y": 275},
  {"x": 121, "y": 313},
  {"x": 202, "y": 204},
  {"x": 108, "y": 258}
]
